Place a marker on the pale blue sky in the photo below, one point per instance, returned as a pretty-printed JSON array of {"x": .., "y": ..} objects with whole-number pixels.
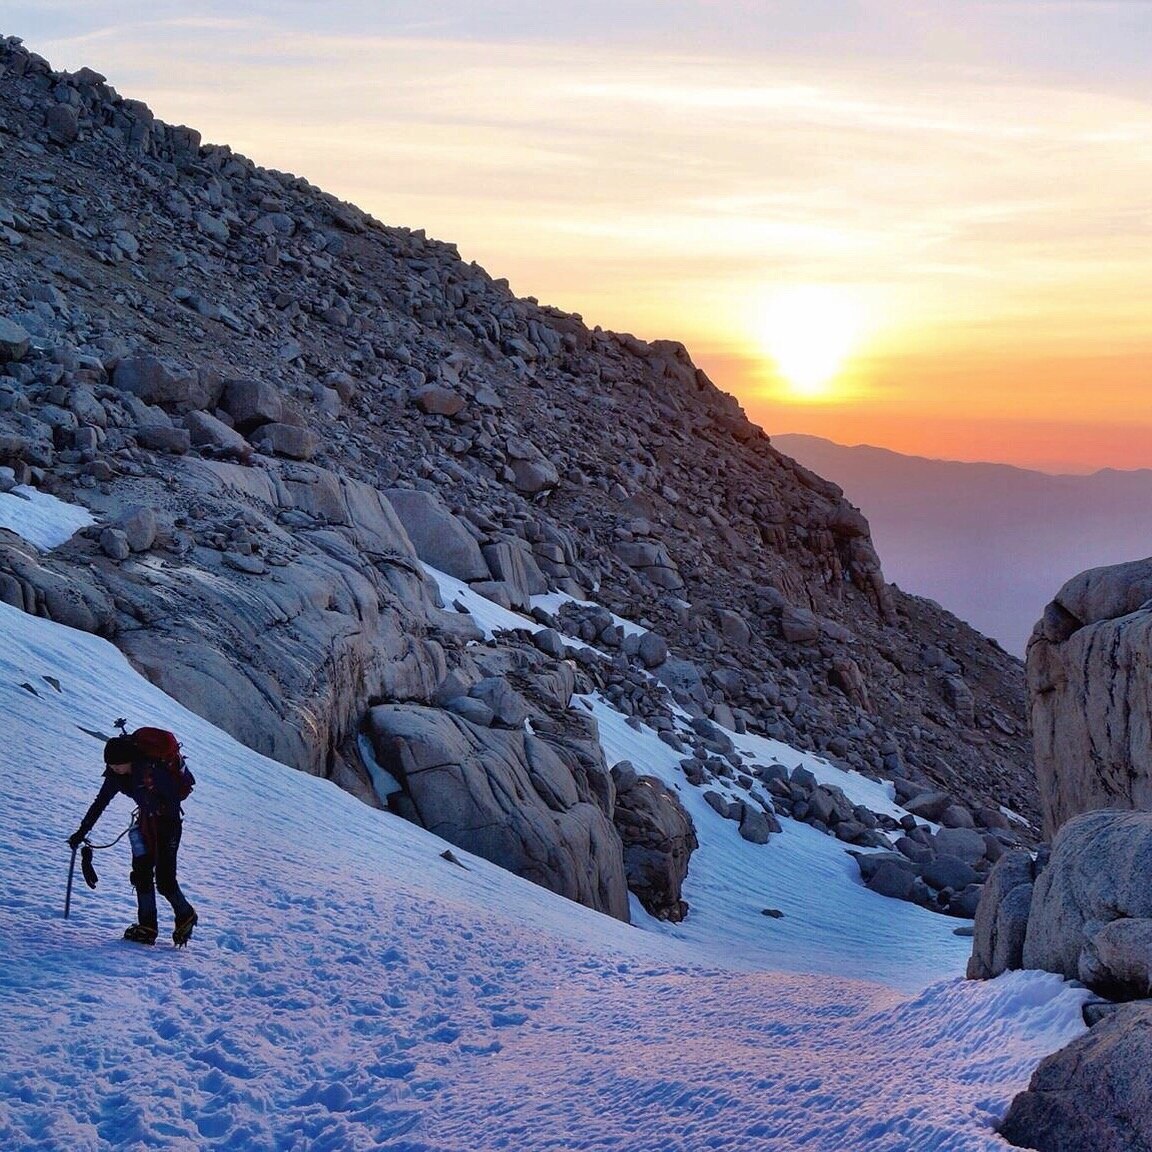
[{"x": 1090, "y": 41}]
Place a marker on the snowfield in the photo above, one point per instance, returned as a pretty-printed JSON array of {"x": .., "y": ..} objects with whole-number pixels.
[{"x": 350, "y": 989}]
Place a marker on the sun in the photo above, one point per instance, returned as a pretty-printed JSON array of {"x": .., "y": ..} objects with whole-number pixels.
[{"x": 809, "y": 331}]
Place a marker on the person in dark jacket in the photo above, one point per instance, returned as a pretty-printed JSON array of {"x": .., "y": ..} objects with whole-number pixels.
[{"x": 155, "y": 837}]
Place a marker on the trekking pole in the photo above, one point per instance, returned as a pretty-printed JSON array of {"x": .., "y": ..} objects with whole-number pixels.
[{"x": 68, "y": 893}]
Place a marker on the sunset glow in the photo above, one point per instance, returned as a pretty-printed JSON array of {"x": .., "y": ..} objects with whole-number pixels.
[
  {"x": 745, "y": 177},
  {"x": 809, "y": 331}
]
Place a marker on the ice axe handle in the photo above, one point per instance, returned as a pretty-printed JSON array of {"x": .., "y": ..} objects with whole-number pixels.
[{"x": 68, "y": 893}]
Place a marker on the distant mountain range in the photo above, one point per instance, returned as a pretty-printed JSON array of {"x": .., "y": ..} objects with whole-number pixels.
[{"x": 990, "y": 542}]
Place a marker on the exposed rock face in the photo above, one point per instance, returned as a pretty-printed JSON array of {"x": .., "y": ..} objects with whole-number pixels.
[
  {"x": 1086, "y": 914},
  {"x": 1002, "y": 917},
  {"x": 1117, "y": 959},
  {"x": 1094, "y": 1094},
  {"x": 658, "y": 838},
  {"x": 276, "y": 408},
  {"x": 440, "y": 538},
  {"x": 507, "y": 796},
  {"x": 1098, "y": 874},
  {"x": 316, "y": 631},
  {"x": 1090, "y": 685}
]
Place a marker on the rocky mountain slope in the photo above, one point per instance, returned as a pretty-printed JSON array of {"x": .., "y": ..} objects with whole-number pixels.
[{"x": 276, "y": 407}]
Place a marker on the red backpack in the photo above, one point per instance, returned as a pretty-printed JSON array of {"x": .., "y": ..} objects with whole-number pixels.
[{"x": 171, "y": 780}]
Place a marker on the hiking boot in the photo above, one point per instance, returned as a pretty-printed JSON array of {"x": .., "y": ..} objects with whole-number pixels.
[
  {"x": 140, "y": 934},
  {"x": 183, "y": 930}
]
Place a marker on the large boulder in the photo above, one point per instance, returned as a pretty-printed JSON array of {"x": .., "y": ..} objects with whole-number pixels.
[
  {"x": 1098, "y": 874},
  {"x": 506, "y": 795},
  {"x": 1090, "y": 686},
  {"x": 14, "y": 341},
  {"x": 534, "y": 476},
  {"x": 440, "y": 538},
  {"x": 286, "y": 440},
  {"x": 650, "y": 559},
  {"x": 1117, "y": 959},
  {"x": 207, "y": 431},
  {"x": 437, "y": 400},
  {"x": 1094, "y": 1094},
  {"x": 659, "y": 839},
  {"x": 138, "y": 524},
  {"x": 964, "y": 843},
  {"x": 63, "y": 123},
  {"x": 252, "y": 404},
  {"x": 1002, "y": 917},
  {"x": 165, "y": 383},
  {"x": 512, "y": 561}
]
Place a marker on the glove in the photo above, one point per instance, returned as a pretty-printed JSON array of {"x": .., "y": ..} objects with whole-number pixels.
[
  {"x": 75, "y": 840},
  {"x": 86, "y": 867}
]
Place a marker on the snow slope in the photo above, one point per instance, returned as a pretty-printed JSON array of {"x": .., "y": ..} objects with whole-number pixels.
[{"x": 348, "y": 988}]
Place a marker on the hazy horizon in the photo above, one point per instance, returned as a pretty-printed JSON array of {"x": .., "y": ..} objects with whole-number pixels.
[
  {"x": 992, "y": 543},
  {"x": 1054, "y": 471}
]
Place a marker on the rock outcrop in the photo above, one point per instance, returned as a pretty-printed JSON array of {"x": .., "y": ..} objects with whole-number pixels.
[
  {"x": 659, "y": 839},
  {"x": 508, "y": 796},
  {"x": 1084, "y": 913},
  {"x": 1095, "y": 883},
  {"x": 1090, "y": 686},
  {"x": 1002, "y": 917},
  {"x": 1094, "y": 1094},
  {"x": 1085, "y": 910}
]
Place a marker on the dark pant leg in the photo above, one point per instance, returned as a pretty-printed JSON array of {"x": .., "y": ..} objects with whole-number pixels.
[
  {"x": 168, "y": 834},
  {"x": 143, "y": 872}
]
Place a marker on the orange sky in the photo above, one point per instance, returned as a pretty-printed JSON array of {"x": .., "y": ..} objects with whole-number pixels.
[
  {"x": 978, "y": 423},
  {"x": 927, "y": 227}
]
